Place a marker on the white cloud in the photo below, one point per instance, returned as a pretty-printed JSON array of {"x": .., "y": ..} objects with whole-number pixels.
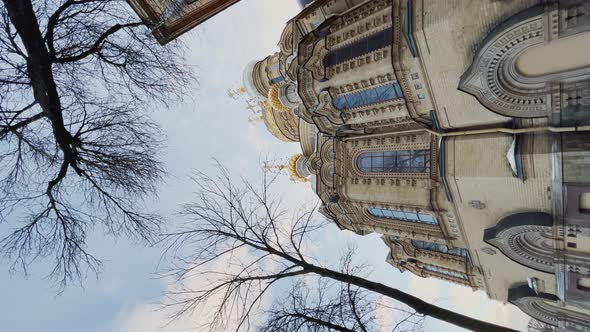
[
  {"x": 384, "y": 315},
  {"x": 254, "y": 139},
  {"x": 146, "y": 317}
]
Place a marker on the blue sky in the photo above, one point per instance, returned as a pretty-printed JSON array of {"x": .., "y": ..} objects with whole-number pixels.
[{"x": 208, "y": 124}]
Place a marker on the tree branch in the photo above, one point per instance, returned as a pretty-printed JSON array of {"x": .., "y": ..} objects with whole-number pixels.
[{"x": 95, "y": 48}]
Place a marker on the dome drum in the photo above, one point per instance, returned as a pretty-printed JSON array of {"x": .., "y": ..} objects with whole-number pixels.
[
  {"x": 299, "y": 168},
  {"x": 287, "y": 95},
  {"x": 274, "y": 98}
]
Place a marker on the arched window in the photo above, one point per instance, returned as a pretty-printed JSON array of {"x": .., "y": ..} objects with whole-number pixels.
[
  {"x": 404, "y": 161},
  {"x": 403, "y": 216},
  {"x": 439, "y": 248},
  {"x": 442, "y": 270},
  {"x": 366, "y": 45},
  {"x": 366, "y": 97}
]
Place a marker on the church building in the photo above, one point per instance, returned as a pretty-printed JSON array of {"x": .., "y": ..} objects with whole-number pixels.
[{"x": 459, "y": 130}]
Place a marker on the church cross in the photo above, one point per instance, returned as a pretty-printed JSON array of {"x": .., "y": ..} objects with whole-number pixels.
[
  {"x": 251, "y": 107},
  {"x": 234, "y": 94}
]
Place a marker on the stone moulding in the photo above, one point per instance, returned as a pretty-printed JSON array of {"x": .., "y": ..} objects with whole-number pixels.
[
  {"x": 492, "y": 77},
  {"x": 499, "y": 84},
  {"x": 547, "y": 308},
  {"x": 533, "y": 304},
  {"x": 525, "y": 238}
]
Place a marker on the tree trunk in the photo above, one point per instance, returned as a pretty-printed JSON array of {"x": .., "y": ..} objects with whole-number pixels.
[
  {"x": 412, "y": 301},
  {"x": 39, "y": 70}
]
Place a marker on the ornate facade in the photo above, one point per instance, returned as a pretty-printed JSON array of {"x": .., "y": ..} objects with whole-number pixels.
[
  {"x": 171, "y": 18},
  {"x": 457, "y": 129}
]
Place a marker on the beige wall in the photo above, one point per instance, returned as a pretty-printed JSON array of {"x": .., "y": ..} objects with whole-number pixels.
[{"x": 478, "y": 170}]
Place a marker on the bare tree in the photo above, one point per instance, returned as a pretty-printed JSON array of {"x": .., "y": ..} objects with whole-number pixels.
[
  {"x": 78, "y": 147},
  {"x": 333, "y": 306},
  {"x": 242, "y": 242},
  {"x": 538, "y": 326}
]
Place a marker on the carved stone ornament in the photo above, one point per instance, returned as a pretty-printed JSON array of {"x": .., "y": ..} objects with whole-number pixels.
[
  {"x": 477, "y": 204},
  {"x": 488, "y": 250}
]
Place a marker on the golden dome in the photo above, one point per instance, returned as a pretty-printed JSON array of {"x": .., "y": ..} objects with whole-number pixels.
[
  {"x": 271, "y": 124},
  {"x": 273, "y": 98},
  {"x": 293, "y": 169}
]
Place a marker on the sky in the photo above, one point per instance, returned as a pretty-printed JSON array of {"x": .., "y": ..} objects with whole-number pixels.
[{"x": 209, "y": 124}]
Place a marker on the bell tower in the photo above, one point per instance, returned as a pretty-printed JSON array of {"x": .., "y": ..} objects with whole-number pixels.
[{"x": 171, "y": 18}]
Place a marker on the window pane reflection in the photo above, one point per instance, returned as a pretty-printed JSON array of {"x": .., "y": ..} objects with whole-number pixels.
[
  {"x": 402, "y": 216},
  {"x": 375, "y": 95},
  {"x": 366, "y": 45},
  {"x": 408, "y": 161},
  {"x": 440, "y": 270}
]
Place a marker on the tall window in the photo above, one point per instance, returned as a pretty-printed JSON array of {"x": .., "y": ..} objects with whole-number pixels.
[
  {"x": 366, "y": 97},
  {"x": 439, "y": 248},
  {"x": 403, "y": 216},
  {"x": 441, "y": 270},
  {"x": 366, "y": 45},
  {"x": 404, "y": 161},
  {"x": 408, "y": 29}
]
